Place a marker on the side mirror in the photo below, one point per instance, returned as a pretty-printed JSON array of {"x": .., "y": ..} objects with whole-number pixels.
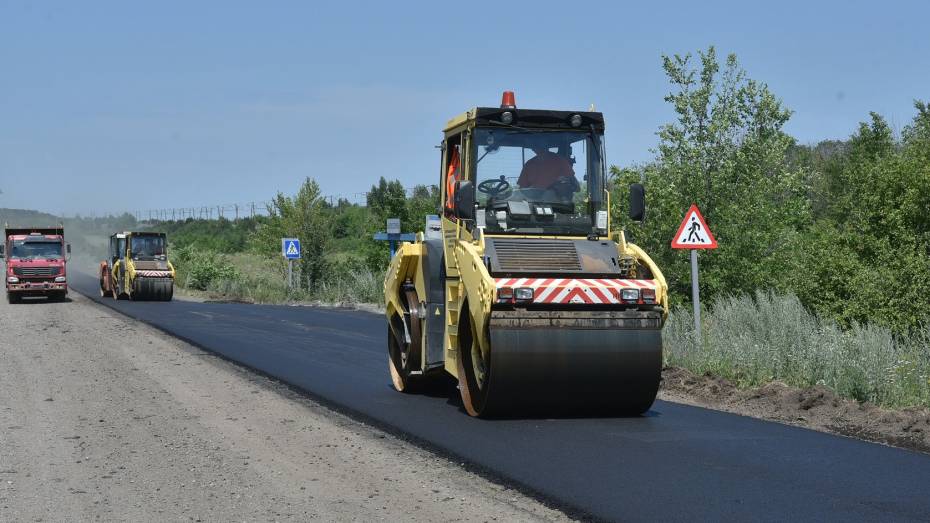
[
  {"x": 68, "y": 248},
  {"x": 465, "y": 200},
  {"x": 637, "y": 202}
]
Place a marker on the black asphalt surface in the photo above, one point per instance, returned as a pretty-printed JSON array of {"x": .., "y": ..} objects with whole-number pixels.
[{"x": 677, "y": 463}]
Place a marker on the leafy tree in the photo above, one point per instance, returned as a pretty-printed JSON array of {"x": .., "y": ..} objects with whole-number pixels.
[
  {"x": 868, "y": 256},
  {"x": 388, "y": 199},
  {"x": 726, "y": 151},
  {"x": 424, "y": 200},
  {"x": 304, "y": 216}
]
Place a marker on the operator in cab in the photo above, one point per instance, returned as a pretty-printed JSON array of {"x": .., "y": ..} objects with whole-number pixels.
[{"x": 546, "y": 170}]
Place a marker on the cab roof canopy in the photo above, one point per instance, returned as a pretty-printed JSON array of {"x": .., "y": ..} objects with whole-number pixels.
[
  {"x": 137, "y": 233},
  {"x": 526, "y": 118},
  {"x": 26, "y": 231}
]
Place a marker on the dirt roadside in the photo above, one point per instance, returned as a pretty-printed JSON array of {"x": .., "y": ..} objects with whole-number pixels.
[
  {"x": 102, "y": 418},
  {"x": 816, "y": 408}
]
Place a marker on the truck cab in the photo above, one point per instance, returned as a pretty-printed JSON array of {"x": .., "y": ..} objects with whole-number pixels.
[{"x": 36, "y": 260}]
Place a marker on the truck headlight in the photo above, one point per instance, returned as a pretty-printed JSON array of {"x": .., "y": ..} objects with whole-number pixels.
[
  {"x": 523, "y": 294},
  {"x": 59, "y": 279},
  {"x": 630, "y": 294},
  {"x": 12, "y": 279}
]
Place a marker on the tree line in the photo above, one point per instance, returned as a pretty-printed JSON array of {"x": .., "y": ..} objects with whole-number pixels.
[{"x": 844, "y": 225}]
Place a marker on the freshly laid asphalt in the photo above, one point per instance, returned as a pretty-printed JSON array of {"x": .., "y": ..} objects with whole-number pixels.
[{"x": 677, "y": 463}]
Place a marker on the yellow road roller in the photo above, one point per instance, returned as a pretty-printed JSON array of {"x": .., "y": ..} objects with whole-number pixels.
[
  {"x": 523, "y": 292},
  {"x": 137, "y": 267}
]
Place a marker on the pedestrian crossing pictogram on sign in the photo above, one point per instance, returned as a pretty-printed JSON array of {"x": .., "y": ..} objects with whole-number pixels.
[
  {"x": 693, "y": 232},
  {"x": 290, "y": 248}
]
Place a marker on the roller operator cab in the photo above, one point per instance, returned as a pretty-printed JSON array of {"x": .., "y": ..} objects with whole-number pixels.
[
  {"x": 36, "y": 262},
  {"x": 527, "y": 297},
  {"x": 137, "y": 267}
]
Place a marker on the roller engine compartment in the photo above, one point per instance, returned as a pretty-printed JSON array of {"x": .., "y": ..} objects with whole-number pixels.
[{"x": 540, "y": 274}]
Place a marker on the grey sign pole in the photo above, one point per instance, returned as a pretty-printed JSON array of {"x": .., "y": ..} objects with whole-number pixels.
[
  {"x": 290, "y": 249},
  {"x": 693, "y": 234},
  {"x": 696, "y": 298}
]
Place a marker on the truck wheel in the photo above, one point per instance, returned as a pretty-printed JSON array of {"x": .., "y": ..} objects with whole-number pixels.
[
  {"x": 57, "y": 296},
  {"x": 12, "y": 297}
]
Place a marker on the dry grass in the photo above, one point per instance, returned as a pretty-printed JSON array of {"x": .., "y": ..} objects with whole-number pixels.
[
  {"x": 753, "y": 340},
  {"x": 260, "y": 279}
]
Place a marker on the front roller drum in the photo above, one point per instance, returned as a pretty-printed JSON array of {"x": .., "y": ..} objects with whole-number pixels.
[
  {"x": 562, "y": 363},
  {"x": 152, "y": 289}
]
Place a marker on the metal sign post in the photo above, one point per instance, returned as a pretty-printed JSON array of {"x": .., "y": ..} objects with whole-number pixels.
[
  {"x": 694, "y": 234},
  {"x": 290, "y": 249},
  {"x": 393, "y": 235},
  {"x": 695, "y": 294}
]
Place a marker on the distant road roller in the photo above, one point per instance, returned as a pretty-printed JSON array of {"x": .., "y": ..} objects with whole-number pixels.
[
  {"x": 524, "y": 293},
  {"x": 137, "y": 267}
]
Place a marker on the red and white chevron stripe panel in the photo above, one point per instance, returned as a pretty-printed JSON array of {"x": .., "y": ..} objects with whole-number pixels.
[
  {"x": 595, "y": 291},
  {"x": 154, "y": 274}
]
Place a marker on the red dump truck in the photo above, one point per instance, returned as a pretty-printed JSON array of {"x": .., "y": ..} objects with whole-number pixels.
[{"x": 35, "y": 262}]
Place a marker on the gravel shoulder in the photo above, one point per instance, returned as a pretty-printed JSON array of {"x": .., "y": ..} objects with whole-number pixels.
[{"x": 103, "y": 418}]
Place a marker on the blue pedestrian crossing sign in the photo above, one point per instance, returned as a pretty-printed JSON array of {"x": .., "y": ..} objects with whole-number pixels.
[{"x": 290, "y": 248}]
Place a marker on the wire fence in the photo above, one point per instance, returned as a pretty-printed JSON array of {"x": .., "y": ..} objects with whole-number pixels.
[{"x": 235, "y": 211}]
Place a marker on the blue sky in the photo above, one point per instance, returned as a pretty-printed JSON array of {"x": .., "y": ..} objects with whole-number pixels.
[{"x": 112, "y": 106}]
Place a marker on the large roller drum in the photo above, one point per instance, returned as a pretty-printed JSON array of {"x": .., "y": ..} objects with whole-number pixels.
[
  {"x": 152, "y": 289},
  {"x": 555, "y": 362}
]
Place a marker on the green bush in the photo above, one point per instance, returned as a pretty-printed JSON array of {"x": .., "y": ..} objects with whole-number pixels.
[{"x": 199, "y": 269}]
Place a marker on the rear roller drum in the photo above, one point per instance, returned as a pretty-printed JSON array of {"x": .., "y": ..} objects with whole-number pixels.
[
  {"x": 118, "y": 287},
  {"x": 473, "y": 367},
  {"x": 405, "y": 337},
  {"x": 103, "y": 284}
]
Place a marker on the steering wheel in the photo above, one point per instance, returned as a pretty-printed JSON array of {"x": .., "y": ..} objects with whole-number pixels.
[
  {"x": 565, "y": 186},
  {"x": 495, "y": 188}
]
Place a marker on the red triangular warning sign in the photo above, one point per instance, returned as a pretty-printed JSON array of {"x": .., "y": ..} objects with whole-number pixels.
[{"x": 693, "y": 232}]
